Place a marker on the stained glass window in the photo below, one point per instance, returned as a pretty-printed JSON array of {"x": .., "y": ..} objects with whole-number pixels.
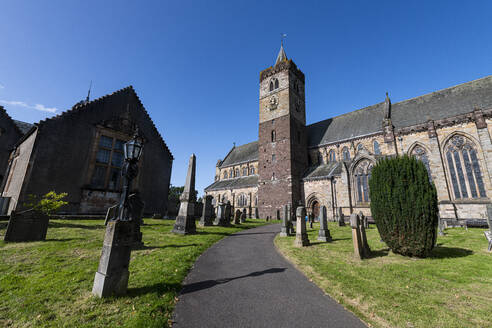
[
  {"x": 346, "y": 154},
  {"x": 421, "y": 154},
  {"x": 377, "y": 151},
  {"x": 332, "y": 156},
  {"x": 362, "y": 175}
]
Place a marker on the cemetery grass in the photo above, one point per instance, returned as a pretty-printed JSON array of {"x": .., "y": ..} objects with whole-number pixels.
[
  {"x": 48, "y": 284},
  {"x": 451, "y": 288}
]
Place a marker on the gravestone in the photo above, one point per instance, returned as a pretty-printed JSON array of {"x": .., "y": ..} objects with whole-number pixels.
[
  {"x": 220, "y": 220},
  {"x": 324, "y": 233},
  {"x": 488, "y": 234},
  {"x": 243, "y": 216},
  {"x": 366, "y": 251},
  {"x": 185, "y": 221},
  {"x": 291, "y": 219},
  {"x": 257, "y": 214},
  {"x": 30, "y": 225},
  {"x": 206, "y": 219},
  {"x": 135, "y": 211},
  {"x": 364, "y": 220},
  {"x": 228, "y": 213},
  {"x": 4, "y": 205},
  {"x": 301, "y": 234},
  {"x": 341, "y": 218},
  {"x": 356, "y": 236},
  {"x": 284, "y": 229},
  {"x": 237, "y": 217},
  {"x": 112, "y": 273}
]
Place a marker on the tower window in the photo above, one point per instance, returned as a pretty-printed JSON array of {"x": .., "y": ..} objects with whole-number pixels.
[
  {"x": 276, "y": 84},
  {"x": 273, "y": 158},
  {"x": 274, "y": 136},
  {"x": 271, "y": 85}
]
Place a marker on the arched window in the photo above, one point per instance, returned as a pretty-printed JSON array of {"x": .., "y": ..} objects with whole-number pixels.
[
  {"x": 271, "y": 85},
  {"x": 245, "y": 171},
  {"x": 225, "y": 174},
  {"x": 464, "y": 168},
  {"x": 377, "y": 151},
  {"x": 274, "y": 136},
  {"x": 360, "y": 147},
  {"x": 346, "y": 154},
  {"x": 362, "y": 173},
  {"x": 231, "y": 173},
  {"x": 332, "y": 156},
  {"x": 276, "y": 83},
  {"x": 242, "y": 200},
  {"x": 420, "y": 154},
  {"x": 252, "y": 170},
  {"x": 320, "y": 159},
  {"x": 236, "y": 173}
]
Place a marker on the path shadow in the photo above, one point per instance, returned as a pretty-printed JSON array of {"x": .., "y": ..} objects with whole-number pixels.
[
  {"x": 379, "y": 253},
  {"x": 73, "y": 225},
  {"x": 442, "y": 252},
  {"x": 159, "y": 288},
  {"x": 196, "y": 286}
]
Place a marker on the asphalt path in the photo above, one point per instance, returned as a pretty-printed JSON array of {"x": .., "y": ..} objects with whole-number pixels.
[{"x": 242, "y": 281}]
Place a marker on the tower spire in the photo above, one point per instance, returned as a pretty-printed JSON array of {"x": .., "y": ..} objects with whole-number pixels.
[
  {"x": 88, "y": 93},
  {"x": 281, "y": 54}
]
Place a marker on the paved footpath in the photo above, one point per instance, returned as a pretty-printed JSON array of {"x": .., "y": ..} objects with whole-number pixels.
[{"x": 242, "y": 281}]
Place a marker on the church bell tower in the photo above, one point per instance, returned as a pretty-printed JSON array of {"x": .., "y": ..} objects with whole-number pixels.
[{"x": 282, "y": 140}]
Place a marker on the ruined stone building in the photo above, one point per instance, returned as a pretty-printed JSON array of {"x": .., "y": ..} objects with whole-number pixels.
[
  {"x": 329, "y": 162},
  {"x": 80, "y": 152}
]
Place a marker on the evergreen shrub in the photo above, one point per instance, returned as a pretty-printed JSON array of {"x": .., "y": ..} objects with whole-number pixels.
[{"x": 404, "y": 205}]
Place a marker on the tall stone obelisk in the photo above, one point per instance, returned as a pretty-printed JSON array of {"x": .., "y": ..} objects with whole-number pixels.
[{"x": 185, "y": 222}]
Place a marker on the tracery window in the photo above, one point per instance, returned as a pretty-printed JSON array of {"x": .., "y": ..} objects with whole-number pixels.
[
  {"x": 273, "y": 84},
  {"x": 360, "y": 147},
  {"x": 276, "y": 83},
  {"x": 420, "y": 154},
  {"x": 464, "y": 168},
  {"x": 377, "y": 150},
  {"x": 332, "y": 156},
  {"x": 245, "y": 171},
  {"x": 242, "y": 200},
  {"x": 109, "y": 161},
  {"x": 346, "y": 154},
  {"x": 231, "y": 174},
  {"x": 252, "y": 170},
  {"x": 362, "y": 173}
]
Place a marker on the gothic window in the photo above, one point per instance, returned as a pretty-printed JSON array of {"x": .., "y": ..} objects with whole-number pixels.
[
  {"x": 109, "y": 161},
  {"x": 346, "y": 154},
  {"x": 274, "y": 136},
  {"x": 231, "y": 174},
  {"x": 236, "y": 173},
  {"x": 362, "y": 173},
  {"x": 332, "y": 156},
  {"x": 464, "y": 168},
  {"x": 271, "y": 85},
  {"x": 252, "y": 170},
  {"x": 242, "y": 200},
  {"x": 225, "y": 174},
  {"x": 360, "y": 147},
  {"x": 320, "y": 159},
  {"x": 276, "y": 84},
  {"x": 420, "y": 154},
  {"x": 377, "y": 151},
  {"x": 245, "y": 171}
]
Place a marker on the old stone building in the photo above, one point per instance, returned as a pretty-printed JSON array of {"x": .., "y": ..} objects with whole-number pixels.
[
  {"x": 329, "y": 162},
  {"x": 80, "y": 152}
]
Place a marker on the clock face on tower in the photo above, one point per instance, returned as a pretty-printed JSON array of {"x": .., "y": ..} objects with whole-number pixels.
[{"x": 272, "y": 103}]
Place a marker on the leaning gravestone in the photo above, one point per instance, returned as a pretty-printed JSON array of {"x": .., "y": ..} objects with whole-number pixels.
[
  {"x": 237, "y": 217},
  {"x": 301, "y": 234},
  {"x": 488, "y": 234},
  {"x": 284, "y": 229},
  {"x": 206, "y": 219},
  {"x": 341, "y": 218},
  {"x": 185, "y": 221},
  {"x": 243, "y": 216},
  {"x": 356, "y": 236},
  {"x": 30, "y": 225},
  {"x": 324, "y": 233}
]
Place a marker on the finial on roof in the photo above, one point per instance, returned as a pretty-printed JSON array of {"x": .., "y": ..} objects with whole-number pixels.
[
  {"x": 88, "y": 93},
  {"x": 281, "y": 54},
  {"x": 387, "y": 107}
]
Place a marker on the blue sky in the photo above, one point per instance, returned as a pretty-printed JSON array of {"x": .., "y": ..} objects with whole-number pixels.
[{"x": 195, "y": 65}]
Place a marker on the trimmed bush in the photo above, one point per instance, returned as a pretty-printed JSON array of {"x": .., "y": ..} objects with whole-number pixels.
[{"x": 404, "y": 205}]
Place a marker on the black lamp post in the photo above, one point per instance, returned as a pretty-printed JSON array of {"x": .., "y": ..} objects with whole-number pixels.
[{"x": 132, "y": 150}]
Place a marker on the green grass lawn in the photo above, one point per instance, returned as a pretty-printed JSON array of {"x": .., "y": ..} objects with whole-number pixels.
[
  {"x": 46, "y": 284},
  {"x": 452, "y": 288}
]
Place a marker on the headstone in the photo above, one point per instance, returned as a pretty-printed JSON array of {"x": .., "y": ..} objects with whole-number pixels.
[
  {"x": 206, "y": 219},
  {"x": 220, "y": 220},
  {"x": 4, "y": 205},
  {"x": 356, "y": 236},
  {"x": 228, "y": 212},
  {"x": 185, "y": 221},
  {"x": 112, "y": 273},
  {"x": 366, "y": 251},
  {"x": 284, "y": 228},
  {"x": 257, "y": 214},
  {"x": 301, "y": 234},
  {"x": 110, "y": 213},
  {"x": 341, "y": 218},
  {"x": 488, "y": 234},
  {"x": 136, "y": 207},
  {"x": 364, "y": 220},
  {"x": 440, "y": 225},
  {"x": 237, "y": 217},
  {"x": 291, "y": 218},
  {"x": 324, "y": 233},
  {"x": 243, "y": 216},
  {"x": 30, "y": 225}
]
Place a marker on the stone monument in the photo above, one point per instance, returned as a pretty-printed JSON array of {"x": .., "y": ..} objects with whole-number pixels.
[
  {"x": 220, "y": 220},
  {"x": 228, "y": 213},
  {"x": 301, "y": 234},
  {"x": 291, "y": 218},
  {"x": 257, "y": 214},
  {"x": 324, "y": 233},
  {"x": 237, "y": 217},
  {"x": 185, "y": 221},
  {"x": 341, "y": 218},
  {"x": 284, "y": 229},
  {"x": 488, "y": 234},
  {"x": 356, "y": 239},
  {"x": 206, "y": 219},
  {"x": 243, "y": 216},
  {"x": 30, "y": 225}
]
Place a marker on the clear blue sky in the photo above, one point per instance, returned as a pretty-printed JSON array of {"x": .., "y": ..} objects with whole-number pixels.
[{"x": 195, "y": 65}]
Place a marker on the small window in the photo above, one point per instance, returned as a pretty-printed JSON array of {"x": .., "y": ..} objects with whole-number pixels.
[
  {"x": 225, "y": 174},
  {"x": 276, "y": 84},
  {"x": 360, "y": 147},
  {"x": 332, "y": 156},
  {"x": 271, "y": 85},
  {"x": 377, "y": 151},
  {"x": 274, "y": 136},
  {"x": 346, "y": 154},
  {"x": 236, "y": 173},
  {"x": 245, "y": 171},
  {"x": 252, "y": 170}
]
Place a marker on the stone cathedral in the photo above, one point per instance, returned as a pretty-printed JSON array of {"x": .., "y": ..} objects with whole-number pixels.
[{"x": 329, "y": 162}]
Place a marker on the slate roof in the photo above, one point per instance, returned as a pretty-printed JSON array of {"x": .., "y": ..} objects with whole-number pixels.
[
  {"x": 241, "y": 182},
  {"x": 24, "y": 127},
  {"x": 323, "y": 171},
  {"x": 241, "y": 154},
  {"x": 456, "y": 100}
]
